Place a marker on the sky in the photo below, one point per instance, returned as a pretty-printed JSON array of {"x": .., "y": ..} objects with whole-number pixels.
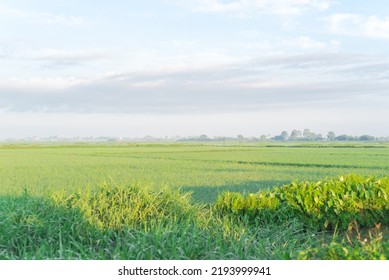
[{"x": 189, "y": 67}]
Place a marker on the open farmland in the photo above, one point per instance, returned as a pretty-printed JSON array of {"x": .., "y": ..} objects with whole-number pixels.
[{"x": 49, "y": 191}]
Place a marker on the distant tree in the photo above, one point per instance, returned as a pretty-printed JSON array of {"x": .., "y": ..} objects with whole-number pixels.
[
  {"x": 240, "y": 137},
  {"x": 311, "y": 136},
  {"x": 345, "y": 137},
  {"x": 278, "y": 138},
  {"x": 366, "y": 138},
  {"x": 342, "y": 137},
  {"x": 296, "y": 134},
  {"x": 263, "y": 138},
  {"x": 331, "y": 136},
  {"x": 284, "y": 135},
  {"x": 307, "y": 133}
]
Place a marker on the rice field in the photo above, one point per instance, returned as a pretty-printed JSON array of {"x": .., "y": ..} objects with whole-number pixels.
[{"x": 159, "y": 201}]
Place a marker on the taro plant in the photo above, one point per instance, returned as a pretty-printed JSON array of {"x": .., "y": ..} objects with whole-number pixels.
[{"x": 328, "y": 204}]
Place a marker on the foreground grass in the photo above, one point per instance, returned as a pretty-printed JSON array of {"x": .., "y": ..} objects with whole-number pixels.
[
  {"x": 135, "y": 222},
  {"x": 37, "y": 229}
]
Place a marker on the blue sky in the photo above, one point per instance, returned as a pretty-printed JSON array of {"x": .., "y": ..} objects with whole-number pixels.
[{"x": 188, "y": 67}]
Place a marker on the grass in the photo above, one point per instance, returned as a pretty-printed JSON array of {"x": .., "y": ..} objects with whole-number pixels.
[
  {"x": 74, "y": 228},
  {"x": 204, "y": 170},
  {"x": 138, "y": 201}
]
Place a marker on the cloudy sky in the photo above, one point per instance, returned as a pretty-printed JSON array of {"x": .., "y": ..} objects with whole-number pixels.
[{"x": 187, "y": 67}]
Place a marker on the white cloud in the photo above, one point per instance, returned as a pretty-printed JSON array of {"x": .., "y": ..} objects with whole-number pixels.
[
  {"x": 251, "y": 34},
  {"x": 239, "y": 87},
  {"x": 42, "y": 17},
  {"x": 149, "y": 84},
  {"x": 40, "y": 84},
  {"x": 141, "y": 15},
  {"x": 48, "y": 18},
  {"x": 215, "y": 6},
  {"x": 52, "y": 54},
  {"x": 244, "y": 7},
  {"x": 307, "y": 43},
  {"x": 359, "y": 25},
  {"x": 176, "y": 59}
]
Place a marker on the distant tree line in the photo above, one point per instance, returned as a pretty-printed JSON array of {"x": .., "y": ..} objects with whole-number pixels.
[
  {"x": 308, "y": 135},
  {"x": 295, "y": 135}
]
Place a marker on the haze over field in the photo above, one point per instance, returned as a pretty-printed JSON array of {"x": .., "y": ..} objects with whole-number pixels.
[{"x": 187, "y": 67}]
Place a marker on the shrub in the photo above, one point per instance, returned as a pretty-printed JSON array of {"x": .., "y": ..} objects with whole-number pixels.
[{"x": 328, "y": 204}]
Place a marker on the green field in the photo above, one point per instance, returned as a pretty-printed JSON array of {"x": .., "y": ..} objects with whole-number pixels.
[{"x": 40, "y": 183}]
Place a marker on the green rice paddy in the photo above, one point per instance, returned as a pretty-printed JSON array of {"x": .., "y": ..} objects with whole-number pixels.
[{"x": 157, "y": 201}]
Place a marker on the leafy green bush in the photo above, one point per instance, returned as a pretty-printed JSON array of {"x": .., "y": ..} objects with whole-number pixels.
[{"x": 329, "y": 204}]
